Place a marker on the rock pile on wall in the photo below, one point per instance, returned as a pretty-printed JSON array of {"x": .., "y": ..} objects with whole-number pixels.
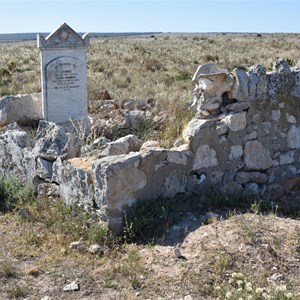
[{"x": 245, "y": 139}]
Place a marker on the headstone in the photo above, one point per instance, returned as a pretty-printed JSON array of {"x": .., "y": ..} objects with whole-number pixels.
[{"x": 63, "y": 70}]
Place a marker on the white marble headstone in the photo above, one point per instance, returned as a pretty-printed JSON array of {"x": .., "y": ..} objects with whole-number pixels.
[{"x": 64, "y": 79}]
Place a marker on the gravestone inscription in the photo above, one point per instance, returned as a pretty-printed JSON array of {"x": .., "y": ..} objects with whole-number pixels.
[{"x": 63, "y": 70}]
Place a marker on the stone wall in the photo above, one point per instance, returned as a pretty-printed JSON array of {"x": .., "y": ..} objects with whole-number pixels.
[{"x": 245, "y": 139}]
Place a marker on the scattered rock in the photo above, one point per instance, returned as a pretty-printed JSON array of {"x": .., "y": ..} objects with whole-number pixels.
[
  {"x": 95, "y": 248},
  {"x": 72, "y": 287},
  {"x": 78, "y": 245}
]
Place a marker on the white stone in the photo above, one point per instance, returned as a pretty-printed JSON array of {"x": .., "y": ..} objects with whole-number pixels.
[
  {"x": 177, "y": 157},
  {"x": 276, "y": 115},
  {"x": 257, "y": 157},
  {"x": 236, "y": 152},
  {"x": 64, "y": 79},
  {"x": 194, "y": 127},
  {"x": 94, "y": 248},
  {"x": 236, "y": 121},
  {"x": 73, "y": 286},
  {"x": 291, "y": 119},
  {"x": 23, "y": 109},
  {"x": 250, "y": 136},
  {"x": 293, "y": 137},
  {"x": 122, "y": 145},
  {"x": 240, "y": 89},
  {"x": 205, "y": 157},
  {"x": 287, "y": 158}
]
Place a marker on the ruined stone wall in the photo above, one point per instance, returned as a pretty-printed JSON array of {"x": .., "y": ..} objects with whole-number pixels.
[{"x": 245, "y": 139}]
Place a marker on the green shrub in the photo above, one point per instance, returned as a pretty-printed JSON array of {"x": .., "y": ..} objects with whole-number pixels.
[{"x": 14, "y": 193}]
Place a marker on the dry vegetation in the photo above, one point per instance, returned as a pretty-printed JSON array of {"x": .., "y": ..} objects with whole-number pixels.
[
  {"x": 245, "y": 256},
  {"x": 224, "y": 259},
  {"x": 158, "y": 67}
]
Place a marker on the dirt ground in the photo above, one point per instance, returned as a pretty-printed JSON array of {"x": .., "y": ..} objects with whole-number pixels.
[{"x": 219, "y": 260}]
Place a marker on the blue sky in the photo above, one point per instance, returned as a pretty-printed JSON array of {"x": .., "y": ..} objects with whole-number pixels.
[{"x": 155, "y": 15}]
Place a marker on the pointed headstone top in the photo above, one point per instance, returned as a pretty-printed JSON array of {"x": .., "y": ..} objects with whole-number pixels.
[{"x": 63, "y": 37}]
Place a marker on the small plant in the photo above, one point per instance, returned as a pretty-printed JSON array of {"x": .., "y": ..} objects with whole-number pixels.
[
  {"x": 7, "y": 270},
  {"x": 14, "y": 193},
  {"x": 16, "y": 292}
]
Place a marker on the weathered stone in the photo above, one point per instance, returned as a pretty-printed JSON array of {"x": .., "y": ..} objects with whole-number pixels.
[
  {"x": 257, "y": 82},
  {"x": 173, "y": 184},
  {"x": 258, "y": 177},
  {"x": 221, "y": 128},
  {"x": 73, "y": 286},
  {"x": 291, "y": 119},
  {"x": 276, "y": 115},
  {"x": 122, "y": 145},
  {"x": 150, "y": 145},
  {"x": 179, "y": 157},
  {"x": 205, "y": 157},
  {"x": 250, "y": 136},
  {"x": 76, "y": 181},
  {"x": 211, "y": 84},
  {"x": 77, "y": 245},
  {"x": 48, "y": 189},
  {"x": 239, "y": 106},
  {"x": 216, "y": 177},
  {"x": 293, "y": 137},
  {"x": 23, "y": 109},
  {"x": 44, "y": 168},
  {"x": 232, "y": 188},
  {"x": 116, "y": 180},
  {"x": 194, "y": 128},
  {"x": 287, "y": 158},
  {"x": 95, "y": 248},
  {"x": 236, "y": 152},
  {"x": 257, "y": 157},
  {"x": 236, "y": 121},
  {"x": 242, "y": 177},
  {"x": 17, "y": 136},
  {"x": 134, "y": 118},
  {"x": 240, "y": 90},
  {"x": 53, "y": 142},
  {"x": 251, "y": 189}
]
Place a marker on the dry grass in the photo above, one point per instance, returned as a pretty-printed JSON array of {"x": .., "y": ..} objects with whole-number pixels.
[{"x": 146, "y": 67}]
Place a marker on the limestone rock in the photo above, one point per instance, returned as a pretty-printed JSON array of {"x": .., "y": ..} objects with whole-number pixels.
[
  {"x": 236, "y": 152},
  {"x": 257, "y": 82},
  {"x": 70, "y": 287},
  {"x": 293, "y": 137},
  {"x": 44, "y": 168},
  {"x": 173, "y": 184},
  {"x": 194, "y": 128},
  {"x": 239, "y": 90},
  {"x": 236, "y": 121},
  {"x": 76, "y": 182},
  {"x": 134, "y": 118},
  {"x": 205, "y": 157},
  {"x": 116, "y": 180},
  {"x": 95, "y": 248},
  {"x": 257, "y": 157},
  {"x": 53, "y": 141},
  {"x": 232, "y": 188},
  {"x": 150, "y": 145},
  {"x": 211, "y": 84},
  {"x": 123, "y": 145},
  {"x": 238, "y": 106},
  {"x": 17, "y": 136},
  {"x": 23, "y": 109}
]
